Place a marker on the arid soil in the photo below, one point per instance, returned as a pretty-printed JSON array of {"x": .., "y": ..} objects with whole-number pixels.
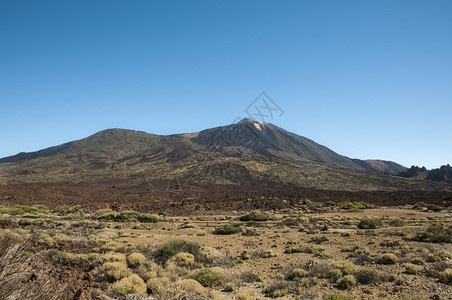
[{"x": 312, "y": 251}]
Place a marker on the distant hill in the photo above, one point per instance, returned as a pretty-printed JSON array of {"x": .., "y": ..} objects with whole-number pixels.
[
  {"x": 385, "y": 166},
  {"x": 248, "y": 153}
]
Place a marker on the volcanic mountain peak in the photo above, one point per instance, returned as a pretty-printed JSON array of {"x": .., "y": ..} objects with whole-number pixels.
[
  {"x": 247, "y": 120},
  {"x": 247, "y": 152}
]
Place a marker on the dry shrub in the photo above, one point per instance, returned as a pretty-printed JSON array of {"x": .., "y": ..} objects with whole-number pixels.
[
  {"x": 16, "y": 280},
  {"x": 215, "y": 295},
  {"x": 368, "y": 276},
  {"x": 346, "y": 267},
  {"x": 434, "y": 269},
  {"x": 246, "y": 295},
  {"x": 334, "y": 274},
  {"x": 277, "y": 289},
  {"x": 370, "y": 223},
  {"x": 297, "y": 273},
  {"x": 250, "y": 277},
  {"x": 112, "y": 246},
  {"x": 412, "y": 268},
  {"x": 319, "y": 269},
  {"x": 162, "y": 288},
  {"x": 446, "y": 276},
  {"x": 173, "y": 271},
  {"x": 435, "y": 234}
]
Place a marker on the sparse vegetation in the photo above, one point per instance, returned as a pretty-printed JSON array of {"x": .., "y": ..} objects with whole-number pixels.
[
  {"x": 127, "y": 215},
  {"x": 277, "y": 289},
  {"x": 347, "y": 205},
  {"x": 412, "y": 268},
  {"x": 336, "y": 296},
  {"x": 435, "y": 234},
  {"x": 368, "y": 276},
  {"x": 287, "y": 263},
  {"x": 397, "y": 222}
]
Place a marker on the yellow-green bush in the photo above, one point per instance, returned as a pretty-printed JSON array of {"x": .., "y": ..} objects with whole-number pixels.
[
  {"x": 183, "y": 259},
  {"x": 193, "y": 286},
  {"x": 346, "y": 282},
  {"x": 370, "y": 223},
  {"x": 435, "y": 234},
  {"x": 368, "y": 276},
  {"x": 112, "y": 256},
  {"x": 297, "y": 273},
  {"x": 227, "y": 229},
  {"x": 112, "y": 271},
  {"x": 335, "y": 296},
  {"x": 161, "y": 287},
  {"x": 148, "y": 275},
  {"x": 132, "y": 284},
  {"x": 346, "y": 267},
  {"x": 277, "y": 289},
  {"x": 112, "y": 246},
  {"x": 269, "y": 253},
  {"x": 396, "y": 222},
  {"x": 412, "y": 268},
  {"x": 127, "y": 215},
  {"x": 229, "y": 287},
  {"x": 446, "y": 276},
  {"x": 388, "y": 259},
  {"x": 246, "y": 295},
  {"x": 135, "y": 259},
  {"x": 208, "y": 277},
  {"x": 171, "y": 248},
  {"x": 256, "y": 216},
  {"x": 44, "y": 240},
  {"x": 334, "y": 274},
  {"x": 19, "y": 210}
]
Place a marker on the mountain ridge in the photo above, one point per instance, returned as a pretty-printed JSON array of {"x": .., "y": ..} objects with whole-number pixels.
[{"x": 244, "y": 153}]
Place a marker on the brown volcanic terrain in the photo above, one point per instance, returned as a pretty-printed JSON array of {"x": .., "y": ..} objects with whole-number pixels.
[{"x": 170, "y": 198}]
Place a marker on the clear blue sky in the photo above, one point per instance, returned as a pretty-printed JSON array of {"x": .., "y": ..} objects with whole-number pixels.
[{"x": 368, "y": 79}]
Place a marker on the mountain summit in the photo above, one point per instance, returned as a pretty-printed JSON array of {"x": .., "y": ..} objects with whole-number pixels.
[
  {"x": 270, "y": 140},
  {"x": 247, "y": 153}
]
